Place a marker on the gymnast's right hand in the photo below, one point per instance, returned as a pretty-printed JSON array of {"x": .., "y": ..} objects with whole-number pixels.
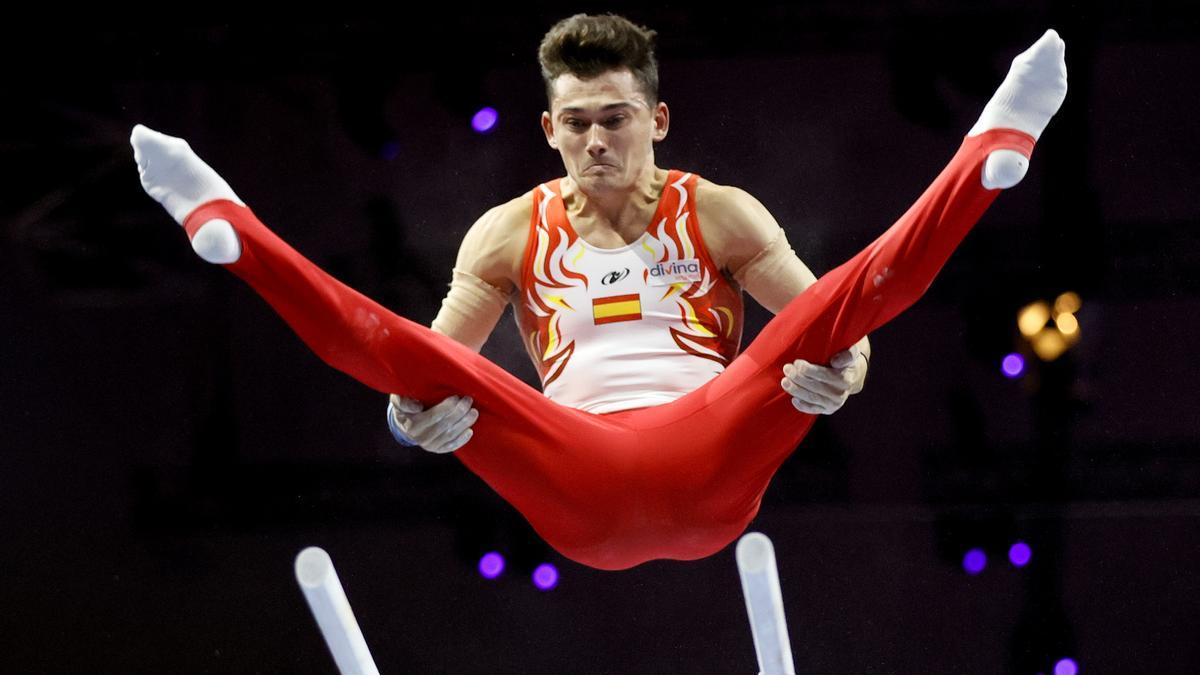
[{"x": 443, "y": 428}]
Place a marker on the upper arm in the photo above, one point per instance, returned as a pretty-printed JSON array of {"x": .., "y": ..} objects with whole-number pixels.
[
  {"x": 493, "y": 247},
  {"x": 735, "y": 225},
  {"x": 745, "y": 240},
  {"x": 486, "y": 274}
]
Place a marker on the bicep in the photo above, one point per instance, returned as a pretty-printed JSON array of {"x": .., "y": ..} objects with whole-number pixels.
[
  {"x": 775, "y": 275},
  {"x": 483, "y": 278},
  {"x": 488, "y": 250},
  {"x": 756, "y": 251}
]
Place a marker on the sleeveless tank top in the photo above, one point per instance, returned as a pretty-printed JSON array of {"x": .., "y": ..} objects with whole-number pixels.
[{"x": 629, "y": 327}]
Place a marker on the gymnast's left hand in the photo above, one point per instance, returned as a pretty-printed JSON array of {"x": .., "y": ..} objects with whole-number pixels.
[{"x": 823, "y": 390}]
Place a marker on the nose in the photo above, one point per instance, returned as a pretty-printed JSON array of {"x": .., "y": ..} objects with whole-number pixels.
[{"x": 596, "y": 145}]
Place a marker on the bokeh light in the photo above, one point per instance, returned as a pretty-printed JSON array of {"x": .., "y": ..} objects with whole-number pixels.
[
  {"x": 485, "y": 120},
  {"x": 1067, "y": 323},
  {"x": 545, "y": 577},
  {"x": 1012, "y": 366},
  {"x": 974, "y": 561},
  {"x": 1032, "y": 318},
  {"x": 491, "y": 565},
  {"x": 1020, "y": 553},
  {"x": 1067, "y": 303},
  {"x": 1066, "y": 667},
  {"x": 1049, "y": 344}
]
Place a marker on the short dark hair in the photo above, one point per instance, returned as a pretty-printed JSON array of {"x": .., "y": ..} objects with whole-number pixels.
[{"x": 586, "y": 46}]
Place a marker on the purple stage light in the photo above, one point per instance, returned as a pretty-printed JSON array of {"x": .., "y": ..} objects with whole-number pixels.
[
  {"x": 545, "y": 577},
  {"x": 485, "y": 120},
  {"x": 1019, "y": 554},
  {"x": 491, "y": 565},
  {"x": 1013, "y": 366},
  {"x": 1066, "y": 667},
  {"x": 974, "y": 561}
]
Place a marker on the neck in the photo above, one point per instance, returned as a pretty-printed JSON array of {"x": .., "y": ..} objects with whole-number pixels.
[{"x": 622, "y": 210}]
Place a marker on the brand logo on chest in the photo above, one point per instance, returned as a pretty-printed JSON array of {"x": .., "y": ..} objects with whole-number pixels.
[
  {"x": 674, "y": 272},
  {"x": 614, "y": 277}
]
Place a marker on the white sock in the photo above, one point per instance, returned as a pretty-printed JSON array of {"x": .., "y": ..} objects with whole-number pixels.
[
  {"x": 179, "y": 180},
  {"x": 1029, "y": 96}
]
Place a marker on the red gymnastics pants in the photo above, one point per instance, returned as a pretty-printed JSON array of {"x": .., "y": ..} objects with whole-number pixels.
[{"x": 680, "y": 480}]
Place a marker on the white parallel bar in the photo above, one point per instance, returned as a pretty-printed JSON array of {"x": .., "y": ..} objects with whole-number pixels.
[
  {"x": 319, "y": 581},
  {"x": 764, "y": 604}
]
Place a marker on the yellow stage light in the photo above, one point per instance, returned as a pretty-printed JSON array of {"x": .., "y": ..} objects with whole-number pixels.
[
  {"x": 1067, "y": 303},
  {"x": 1032, "y": 318},
  {"x": 1049, "y": 344},
  {"x": 1068, "y": 324}
]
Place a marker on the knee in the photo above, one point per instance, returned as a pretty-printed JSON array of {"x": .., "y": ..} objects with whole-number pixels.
[
  {"x": 217, "y": 243},
  {"x": 1004, "y": 169}
]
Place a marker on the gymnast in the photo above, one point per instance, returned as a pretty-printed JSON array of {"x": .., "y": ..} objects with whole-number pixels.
[{"x": 653, "y": 438}]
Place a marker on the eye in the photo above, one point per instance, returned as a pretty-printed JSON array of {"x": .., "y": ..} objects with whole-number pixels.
[
  {"x": 575, "y": 124},
  {"x": 615, "y": 121}
]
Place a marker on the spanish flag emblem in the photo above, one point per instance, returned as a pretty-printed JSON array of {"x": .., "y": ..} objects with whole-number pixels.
[{"x": 617, "y": 308}]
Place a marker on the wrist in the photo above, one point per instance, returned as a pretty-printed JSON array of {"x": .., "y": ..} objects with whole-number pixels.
[{"x": 398, "y": 433}]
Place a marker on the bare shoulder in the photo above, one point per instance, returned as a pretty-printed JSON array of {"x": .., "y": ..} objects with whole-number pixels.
[
  {"x": 506, "y": 220},
  {"x": 734, "y": 224},
  {"x": 729, "y": 204},
  {"x": 492, "y": 249}
]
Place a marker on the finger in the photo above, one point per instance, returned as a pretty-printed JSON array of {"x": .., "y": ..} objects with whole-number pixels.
[
  {"x": 427, "y": 420},
  {"x": 805, "y": 407},
  {"x": 807, "y": 388},
  {"x": 827, "y": 404},
  {"x": 829, "y": 388},
  {"x": 458, "y": 418},
  {"x": 465, "y": 422},
  {"x": 803, "y": 370},
  {"x": 436, "y": 440},
  {"x": 457, "y": 443},
  {"x": 450, "y": 429},
  {"x": 420, "y": 422},
  {"x": 835, "y": 406},
  {"x": 466, "y": 438},
  {"x": 818, "y": 401}
]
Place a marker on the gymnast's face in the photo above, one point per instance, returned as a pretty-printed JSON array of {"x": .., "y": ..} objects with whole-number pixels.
[{"x": 605, "y": 129}]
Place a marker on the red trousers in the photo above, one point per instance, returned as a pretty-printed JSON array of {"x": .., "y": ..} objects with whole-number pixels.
[{"x": 680, "y": 480}]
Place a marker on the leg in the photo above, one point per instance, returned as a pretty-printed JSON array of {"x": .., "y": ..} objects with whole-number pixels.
[
  {"x": 676, "y": 481},
  {"x": 553, "y": 463},
  {"x": 896, "y": 269},
  {"x": 562, "y": 468},
  {"x": 750, "y": 423}
]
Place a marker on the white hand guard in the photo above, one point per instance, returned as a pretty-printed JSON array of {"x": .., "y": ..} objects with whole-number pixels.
[
  {"x": 444, "y": 428},
  {"x": 823, "y": 390}
]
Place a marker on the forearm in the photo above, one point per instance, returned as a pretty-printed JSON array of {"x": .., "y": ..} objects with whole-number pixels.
[
  {"x": 470, "y": 311},
  {"x": 775, "y": 275},
  {"x": 468, "y": 314}
]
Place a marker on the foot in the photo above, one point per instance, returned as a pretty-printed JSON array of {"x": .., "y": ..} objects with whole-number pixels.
[
  {"x": 1029, "y": 96},
  {"x": 179, "y": 180}
]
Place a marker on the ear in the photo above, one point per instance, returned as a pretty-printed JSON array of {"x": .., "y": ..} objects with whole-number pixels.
[
  {"x": 662, "y": 121},
  {"x": 548, "y": 128}
]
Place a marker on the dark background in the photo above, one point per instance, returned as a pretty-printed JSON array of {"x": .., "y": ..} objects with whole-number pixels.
[{"x": 168, "y": 446}]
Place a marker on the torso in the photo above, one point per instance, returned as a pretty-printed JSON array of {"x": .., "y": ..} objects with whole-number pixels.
[{"x": 616, "y": 319}]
